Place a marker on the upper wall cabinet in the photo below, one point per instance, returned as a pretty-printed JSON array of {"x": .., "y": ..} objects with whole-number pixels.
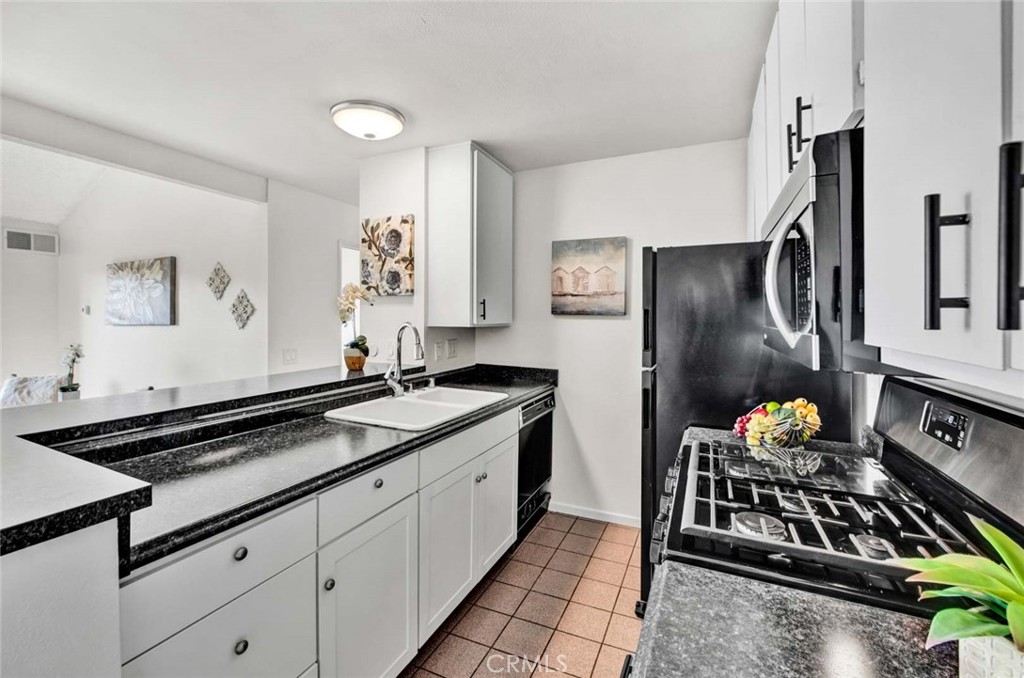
[
  {"x": 1017, "y": 135},
  {"x": 934, "y": 124},
  {"x": 810, "y": 82},
  {"x": 469, "y": 238},
  {"x": 757, "y": 166}
]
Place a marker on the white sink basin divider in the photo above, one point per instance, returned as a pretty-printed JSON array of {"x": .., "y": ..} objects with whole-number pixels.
[{"x": 417, "y": 411}]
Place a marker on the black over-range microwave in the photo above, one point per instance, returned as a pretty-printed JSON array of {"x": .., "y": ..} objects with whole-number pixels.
[{"x": 814, "y": 260}]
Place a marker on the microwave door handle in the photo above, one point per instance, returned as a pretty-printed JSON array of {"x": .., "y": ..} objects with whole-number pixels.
[{"x": 771, "y": 286}]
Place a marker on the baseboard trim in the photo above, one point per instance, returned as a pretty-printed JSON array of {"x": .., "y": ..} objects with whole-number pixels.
[{"x": 594, "y": 514}]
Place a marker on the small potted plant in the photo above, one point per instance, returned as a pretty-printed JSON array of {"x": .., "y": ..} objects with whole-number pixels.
[
  {"x": 997, "y": 589},
  {"x": 356, "y": 350},
  {"x": 72, "y": 354}
]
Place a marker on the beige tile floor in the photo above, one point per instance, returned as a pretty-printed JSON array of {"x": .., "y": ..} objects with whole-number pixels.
[{"x": 565, "y": 596}]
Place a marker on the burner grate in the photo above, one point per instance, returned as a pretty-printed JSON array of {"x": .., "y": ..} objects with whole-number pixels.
[{"x": 761, "y": 507}]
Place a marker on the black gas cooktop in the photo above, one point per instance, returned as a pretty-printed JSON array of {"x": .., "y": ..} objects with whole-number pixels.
[{"x": 822, "y": 521}]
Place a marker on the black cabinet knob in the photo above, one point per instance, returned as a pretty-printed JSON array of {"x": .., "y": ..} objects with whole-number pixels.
[
  {"x": 378, "y": 483},
  {"x": 479, "y": 478},
  {"x": 329, "y": 584},
  {"x": 484, "y": 476},
  {"x": 241, "y": 552},
  {"x": 241, "y": 646}
]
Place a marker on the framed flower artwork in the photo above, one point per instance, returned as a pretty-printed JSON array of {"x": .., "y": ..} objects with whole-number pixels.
[
  {"x": 386, "y": 260},
  {"x": 142, "y": 292}
]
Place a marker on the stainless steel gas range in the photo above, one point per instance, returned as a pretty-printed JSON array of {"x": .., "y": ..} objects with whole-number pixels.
[{"x": 830, "y": 518}]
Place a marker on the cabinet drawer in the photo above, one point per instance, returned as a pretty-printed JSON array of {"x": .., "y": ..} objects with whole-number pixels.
[
  {"x": 361, "y": 498},
  {"x": 444, "y": 457},
  {"x": 270, "y": 631},
  {"x": 160, "y": 603}
]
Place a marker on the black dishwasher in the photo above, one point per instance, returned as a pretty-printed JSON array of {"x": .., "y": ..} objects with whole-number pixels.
[{"x": 535, "y": 427}]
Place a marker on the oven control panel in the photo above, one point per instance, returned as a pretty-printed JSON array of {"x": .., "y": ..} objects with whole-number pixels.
[{"x": 947, "y": 426}]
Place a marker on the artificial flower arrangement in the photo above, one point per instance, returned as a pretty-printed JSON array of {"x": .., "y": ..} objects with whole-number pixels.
[
  {"x": 357, "y": 350},
  {"x": 71, "y": 357},
  {"x": 790, "y": 424},
  {"x": 997, "y": 589}
]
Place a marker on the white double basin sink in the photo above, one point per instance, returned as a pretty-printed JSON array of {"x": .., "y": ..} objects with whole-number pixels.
[{"x": 417, "y": 411}]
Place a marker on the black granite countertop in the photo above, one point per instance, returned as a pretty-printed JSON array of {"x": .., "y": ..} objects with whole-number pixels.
[
  {"x": 208, "y": 487},
  {"x": 702, "y": 623},
  {"x": 197, "y": 490}
]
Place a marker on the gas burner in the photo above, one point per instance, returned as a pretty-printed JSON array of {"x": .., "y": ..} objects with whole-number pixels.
[
  {"x": 760, "y": 525},
  {"x": 874, "y": 547},
  {"x": 791, "y": 503}
]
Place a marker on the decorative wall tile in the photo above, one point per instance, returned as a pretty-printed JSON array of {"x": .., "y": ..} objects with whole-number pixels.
[
  {"x": 242, "y": 309},
  {"x": 218, "y": 280}
]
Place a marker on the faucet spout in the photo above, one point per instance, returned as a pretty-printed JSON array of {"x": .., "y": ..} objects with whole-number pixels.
[{"x": 394, "y": 378}]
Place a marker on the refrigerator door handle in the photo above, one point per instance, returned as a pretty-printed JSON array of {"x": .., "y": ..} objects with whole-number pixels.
[
  {"x": 771, "y": 285},
  {"x": 647, "y": 329},
  {"x": 645, "y": 415}
]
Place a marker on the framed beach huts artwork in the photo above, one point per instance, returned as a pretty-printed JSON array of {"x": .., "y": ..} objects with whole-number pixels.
[
  {"x": 588, "y": 277},
  {"x": 142, "y": 292},
  {"x": 386, "y": 261}
]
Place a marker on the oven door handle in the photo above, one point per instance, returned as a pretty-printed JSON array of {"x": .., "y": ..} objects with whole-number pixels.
[{"x": 771, "y": 285}]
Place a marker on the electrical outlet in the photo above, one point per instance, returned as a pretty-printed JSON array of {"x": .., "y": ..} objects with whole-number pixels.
[
  {"x": 392, "y": 350},
  {"x": 290, "y": 356},
  {"x": 452, "y": 345},
  {"x": 438, "y": 350}
]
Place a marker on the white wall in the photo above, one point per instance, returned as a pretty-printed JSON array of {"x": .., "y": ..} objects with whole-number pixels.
[
  {"x": 686, "y": 196},
  {"x": 46, "y": 128},
  {"x": 131, "y": 216},
  {"x": 304, "y": 230},
  {"x": 30, "y": 346}
]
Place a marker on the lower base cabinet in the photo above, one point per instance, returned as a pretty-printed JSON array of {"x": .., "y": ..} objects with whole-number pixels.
[
  {"x": 467, "y": 522},
  {"x": 269, "y": 631},
  {"x": 446, "y": 556},
  {"x": 368, "y": 590}
]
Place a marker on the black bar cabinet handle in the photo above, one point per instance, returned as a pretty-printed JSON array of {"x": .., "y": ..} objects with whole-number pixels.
[
  {"x": 1011, "y": 183},
  {"x": 645, "y": 412},
  {"x": 647, "y": 329},
  {"x": 789, "y": 146},
  {"x": 800, "y": 138},
  {"x": 483, "y": 309},
  {"x": 933, "y": 223}
]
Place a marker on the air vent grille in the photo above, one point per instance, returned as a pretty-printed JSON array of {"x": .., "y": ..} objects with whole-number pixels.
[{"x": 29, "y": 241}]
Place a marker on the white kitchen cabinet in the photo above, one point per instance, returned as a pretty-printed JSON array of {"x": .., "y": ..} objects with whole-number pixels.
[
  {"x": 447, "y": 532},
  {"x": 1016, "y": 338},
  {"x": 757, "y": 168},
  {"x": 933, "y": 101},
  {"x": 775, "y": 151},
  {"x": 368, "y": 588},
  {"x": 467, "y": 522},
  {"x": 496, "y": 503},
  {"x": 830, "y": 67},
  {"x": 469, "y": 238},
  {"x": 269, "y": 631},
  {"x": 792, "y": 53}
]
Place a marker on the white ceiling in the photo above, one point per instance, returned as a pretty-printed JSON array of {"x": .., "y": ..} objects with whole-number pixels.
[
  {"x": 250, "y": 84},
  {"x": 43, "y": 186}
]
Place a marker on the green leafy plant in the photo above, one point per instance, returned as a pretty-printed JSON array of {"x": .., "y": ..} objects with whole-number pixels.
[
  {"x": 997, "y": 588},
  {"x": 359, "y": 343}
]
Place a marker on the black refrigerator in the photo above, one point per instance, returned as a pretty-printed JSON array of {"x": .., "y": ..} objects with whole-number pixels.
[{"x": 705, "y": 361}]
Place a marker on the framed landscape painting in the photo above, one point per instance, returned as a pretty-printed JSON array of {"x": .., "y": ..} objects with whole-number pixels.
[
  {"x": 142, "y": 292},
  {"x": 588, "y": 277}
]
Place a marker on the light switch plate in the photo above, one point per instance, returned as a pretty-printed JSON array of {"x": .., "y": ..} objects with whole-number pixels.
[
  {"x": 452, "y": 348},
  {"x": 438, "y": 350},
  {"x": 391, "y": 349},
  {"x": 290, "y": 356}
]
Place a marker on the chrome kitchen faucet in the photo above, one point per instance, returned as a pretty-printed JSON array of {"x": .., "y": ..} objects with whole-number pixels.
[{"x": 393, "y": 377}]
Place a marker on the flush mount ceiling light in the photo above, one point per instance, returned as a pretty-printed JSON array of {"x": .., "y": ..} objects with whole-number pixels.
[{"x": 367, "y": 119}]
